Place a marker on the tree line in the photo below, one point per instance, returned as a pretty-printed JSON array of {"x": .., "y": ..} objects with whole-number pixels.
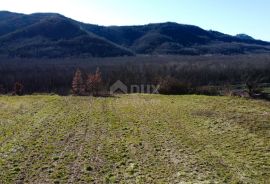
[{"x": 174, "y": 74}]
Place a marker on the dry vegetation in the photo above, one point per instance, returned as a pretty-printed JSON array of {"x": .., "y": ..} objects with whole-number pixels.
[{"x": 134, "y": 139}]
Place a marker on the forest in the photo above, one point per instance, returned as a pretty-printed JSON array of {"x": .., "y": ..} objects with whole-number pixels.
[{"x": 175, "y": 74}]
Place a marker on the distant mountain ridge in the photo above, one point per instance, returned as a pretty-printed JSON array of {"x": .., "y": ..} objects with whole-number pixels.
[
  {"x": 53, "y": 35},
  {"x": 244, "y": 36}
]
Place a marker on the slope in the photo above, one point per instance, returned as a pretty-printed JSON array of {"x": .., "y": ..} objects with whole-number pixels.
[{"x": 52, "y": 35}]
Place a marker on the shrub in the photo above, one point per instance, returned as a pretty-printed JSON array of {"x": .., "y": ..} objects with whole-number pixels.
[
  {"x": 254, "y": 89},
  {"x": 172, "y": 86},
  {"x": 18, "y": 89}
]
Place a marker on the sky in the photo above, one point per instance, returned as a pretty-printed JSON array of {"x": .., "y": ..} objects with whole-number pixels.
[{"x": 251, "y": 17}]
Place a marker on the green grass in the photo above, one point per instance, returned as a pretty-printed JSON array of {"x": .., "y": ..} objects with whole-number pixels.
[{"x": 134, "y": 139}]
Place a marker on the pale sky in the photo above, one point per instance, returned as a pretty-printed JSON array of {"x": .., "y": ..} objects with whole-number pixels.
[{"x": 229, "y": 16}]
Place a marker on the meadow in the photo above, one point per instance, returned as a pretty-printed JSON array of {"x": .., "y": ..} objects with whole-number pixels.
[{"x": 134, "y": 139}]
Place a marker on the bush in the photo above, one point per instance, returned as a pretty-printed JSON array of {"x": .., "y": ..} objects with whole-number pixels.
[
  {"x": 18, "y": 89},
  {"x": 255, "y": 90},
  {"x": 172, "y": 86}
]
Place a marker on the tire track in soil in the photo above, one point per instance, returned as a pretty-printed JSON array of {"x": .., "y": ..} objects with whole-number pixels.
[
  {"x": 76, "y": 167},
  {"x": 69, "y": 144},
  {"x": 36, "y": 156}
]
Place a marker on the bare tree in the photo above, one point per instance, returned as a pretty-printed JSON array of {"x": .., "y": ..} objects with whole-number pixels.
[{"x": 253, "y": 86}]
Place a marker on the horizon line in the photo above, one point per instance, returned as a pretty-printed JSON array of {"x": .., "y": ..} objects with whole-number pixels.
[{"x": 123, "y": 25}]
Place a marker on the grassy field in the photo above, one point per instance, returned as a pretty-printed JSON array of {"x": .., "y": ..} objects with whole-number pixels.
[{"x": 134, "y": 139}]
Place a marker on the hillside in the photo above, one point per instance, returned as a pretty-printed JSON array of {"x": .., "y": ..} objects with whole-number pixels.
[
  {"x": 134, "y": 139},
  {"x": 53, "y": 35},
  {"x": 173, "y": 38}
]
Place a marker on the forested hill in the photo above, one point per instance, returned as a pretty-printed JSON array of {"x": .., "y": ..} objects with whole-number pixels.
[{"x": 51, "y": 35}]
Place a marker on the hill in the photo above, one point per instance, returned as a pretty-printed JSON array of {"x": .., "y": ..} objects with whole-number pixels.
[
  {"x": 53, "y": 35},
  {"x": 134, "y": 139},
  {"x": 173, "y": 38}
]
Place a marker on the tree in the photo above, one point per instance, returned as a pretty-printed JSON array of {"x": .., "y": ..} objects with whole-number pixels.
[
  {"x": 78, "y": 86},
  {"x": 94, "y": 83},
  {"x": 254, "y": 88},
  {"x": 18, "y": 89}
]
